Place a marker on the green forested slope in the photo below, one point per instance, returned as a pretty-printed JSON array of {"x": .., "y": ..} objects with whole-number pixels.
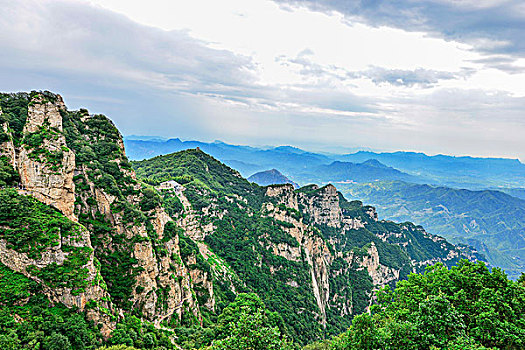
[
  {"x": 467, "y": 307},
  {"x": 238, "y": 235},
  {"x": 244, "y": 233}
]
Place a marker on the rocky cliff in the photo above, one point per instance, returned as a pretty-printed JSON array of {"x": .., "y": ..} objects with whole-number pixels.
[
  {"x": 75, "y": 162},
  {"x": 327, "y": 210}
]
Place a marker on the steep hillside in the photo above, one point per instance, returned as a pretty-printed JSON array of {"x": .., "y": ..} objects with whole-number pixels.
[
  {"x": 271, "y": 177},
  {"x": 491, "y": 221},
  {"x": 307, "y": 249},
  {"x": 78, "y": 223}
]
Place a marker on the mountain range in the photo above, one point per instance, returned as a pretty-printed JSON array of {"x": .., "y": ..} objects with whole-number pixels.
[
  {"x": 491, "y": 221},
  {"x": 306, "y": 167},
  {"x": 461, "y": 172},
  {"x": 95, "y": 249},
  {"x": 469, "y": 200}
]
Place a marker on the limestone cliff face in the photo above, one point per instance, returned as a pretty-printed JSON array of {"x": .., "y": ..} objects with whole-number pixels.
[
  {"x": 7, "y": 147},
  {"x": 44, "y": 162},
  {"x": 380, "y": 274},
  {"x": 323, "y": 207},
  {"x": 191, "y": 223},
  {"x": 315, "y": 249},
  {"x": 162, "y": 290}
]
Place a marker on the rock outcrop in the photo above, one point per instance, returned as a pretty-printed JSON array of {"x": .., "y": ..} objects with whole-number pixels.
[
  {"x": 380, "y": 274},
  {"x": 7, "y": 148},
  {"x": 44, "y": 161},
  {"x": 323, "y": 206}
]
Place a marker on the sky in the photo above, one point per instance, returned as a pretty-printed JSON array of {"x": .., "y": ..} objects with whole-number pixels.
[{"x": 434, "y": 76}]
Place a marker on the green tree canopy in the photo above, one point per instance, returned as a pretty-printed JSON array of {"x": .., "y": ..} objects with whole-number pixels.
[
  {"x": 245, "y": 324},
  {"x": 465, "y": 307}
]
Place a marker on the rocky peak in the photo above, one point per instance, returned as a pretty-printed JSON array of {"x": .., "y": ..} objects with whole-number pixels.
[
  {"x": 42, "y": 111},
  {"x": 322, "y": 205},
  {"x": 285, "y": 194},
  {"x": 44, "y": 162},
  {"x": 372, "y": 213}
]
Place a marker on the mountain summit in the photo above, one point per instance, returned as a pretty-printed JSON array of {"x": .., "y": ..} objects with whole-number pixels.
[{"x": 271, "y": 177}]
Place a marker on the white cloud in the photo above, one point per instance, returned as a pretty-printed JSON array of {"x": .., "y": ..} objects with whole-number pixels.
[{"x": 267, "y": 32}]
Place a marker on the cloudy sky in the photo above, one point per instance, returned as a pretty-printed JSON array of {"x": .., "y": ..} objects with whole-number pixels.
[{"x": 437, "y": 76}]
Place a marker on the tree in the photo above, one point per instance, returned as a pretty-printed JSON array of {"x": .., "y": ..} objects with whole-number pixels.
[
  {"x": 251, "y": 332},
  {"x": 121, "y": 336},
  {"x": 363, "y": 334},
  {"x": 246, "y": 324},
  {"x": 9, "y": 341},
  {"x": 467, "y": 307},
  {"x": 57, "y": 341}
]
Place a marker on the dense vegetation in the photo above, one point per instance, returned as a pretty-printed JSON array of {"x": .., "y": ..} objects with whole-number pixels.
[
  {"x": 201, "y": 172},
  {"x": 31, "y": 227},
  {"x": 466, "y": 307},
  {"x": 8, "y": 176},
  {"x": 29, "y": 321}
]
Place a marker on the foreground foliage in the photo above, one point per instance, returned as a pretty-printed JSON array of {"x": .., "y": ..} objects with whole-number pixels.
[{"x": 466, "y": 307}]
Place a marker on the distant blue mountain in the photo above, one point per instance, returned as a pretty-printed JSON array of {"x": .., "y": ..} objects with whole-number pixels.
[
  {"x": 243, "y": 158},
  {"x": 306, "y": 167},
  {"x": 515, "y": 192},
  {"x": 271, "y": 177},
  {"x": 370, "y": 170},
  {"x": 463, "y": 172}
]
